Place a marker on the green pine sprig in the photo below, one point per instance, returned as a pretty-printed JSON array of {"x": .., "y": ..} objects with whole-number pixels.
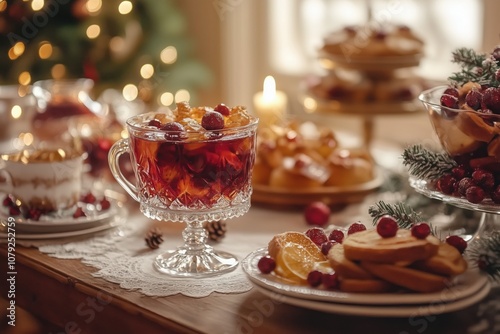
[
  {"x": 485, "y": 254},
  {"x": 426, "y": 164},
  {"x": 404, "y": 215},
  {"x": 475, "y": 67}
]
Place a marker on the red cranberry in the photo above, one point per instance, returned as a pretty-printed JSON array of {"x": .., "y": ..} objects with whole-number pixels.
[
  {"x": 491, "y": 99},
  {"x": 446, "y": 184},
  {"x": 326, "y": 246},
  {"x": 314, "y": 278},
  {"x": 317, "y": 213},
  {"x": 355, "y": 227},
  {"x": 266, "y": 264},
  {"x": 484, "y": 179},
  {"x": 156, "y": 123},
  {"x": 34, "y": 214},
  {"x": 449, "y": 101},
  {"x": 174, "y": 130},
  {"x": 223, "y": 109},
  {"x": 89, "y": 198},
  {"x": 330, "y": 280},
  {"x": 452, "y": 91},
  {"x": 474, "y": 99},
  {"x": 79, "y": 213},
  {"x": 7, "y": 201},
  {"x": 474, "y": 194},
  {"x": 337, "y": 236},
  {"x": 387, "y": 226},
  {"x": 459, "y": 172},
  {"x": 212, "y": 120},
  {"x": 420, "y": 230},
  {"x": 457, "y": 242},
  {"x": 317, "y": 235},
  {"x": 105, "y": 204},
  {"x": 14, "y": 210},
  {"x": 463, "y": 185}
]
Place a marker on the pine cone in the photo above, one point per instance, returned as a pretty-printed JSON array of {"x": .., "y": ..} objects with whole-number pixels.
[
  {"x": 216, "y": 230},
  {"x": 154, "y": 238}
]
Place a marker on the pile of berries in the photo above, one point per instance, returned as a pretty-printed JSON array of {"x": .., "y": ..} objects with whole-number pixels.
[
  {"x": 211, "y": 120},
  {"x": 472, "y": 184},
  {"x": 16, "y": 208},
  {"x": 473, "y": 96}
]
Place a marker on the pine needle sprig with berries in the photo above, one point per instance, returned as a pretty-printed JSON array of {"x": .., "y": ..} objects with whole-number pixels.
[
  {"x": 426, "y": 164},
  {"x": 475, "y": 67},
  {"x": 485, "y": 253},
  {"x": 404, "y": 215}
]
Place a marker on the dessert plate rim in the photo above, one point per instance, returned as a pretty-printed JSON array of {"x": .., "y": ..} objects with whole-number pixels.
[
  {"x": 62, "y": 221},
  {"x": 416, "y": 310},
  {"x": 464, "y": 286}
]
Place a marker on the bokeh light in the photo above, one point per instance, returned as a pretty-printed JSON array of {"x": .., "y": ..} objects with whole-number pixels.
[
  {"x": 168, "y": 55},
  {"x": 93, "y": 31},
  {"x": 125, "y": 7},
  {"x": 130, "y": 92},
  {"x": 182, "y": 95}
]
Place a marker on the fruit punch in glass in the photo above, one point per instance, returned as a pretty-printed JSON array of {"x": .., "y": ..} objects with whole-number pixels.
[{"x": 193, "y": 159}]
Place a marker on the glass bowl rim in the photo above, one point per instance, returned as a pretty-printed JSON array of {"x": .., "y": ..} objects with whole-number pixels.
[
  {"x": 253, "y": 123},
  {"x": 426, "y": 101}
]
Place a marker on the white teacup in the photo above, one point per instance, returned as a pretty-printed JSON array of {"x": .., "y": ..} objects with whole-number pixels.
[{"x": 48, "y": 180}]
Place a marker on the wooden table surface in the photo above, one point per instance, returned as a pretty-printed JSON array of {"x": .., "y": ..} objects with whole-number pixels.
[{"x": 64, "y": 293}]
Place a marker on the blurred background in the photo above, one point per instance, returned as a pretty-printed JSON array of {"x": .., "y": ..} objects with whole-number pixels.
[
  {"x": 117, "y": 58},
  {"x": 152, "y": 53}
]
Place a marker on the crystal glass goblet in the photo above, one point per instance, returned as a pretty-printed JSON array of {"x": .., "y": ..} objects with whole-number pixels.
[{"x": 193, "y": 176}]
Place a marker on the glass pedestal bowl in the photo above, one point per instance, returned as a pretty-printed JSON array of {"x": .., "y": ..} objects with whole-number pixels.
[
  {"x": 192, "y": 178},
  {"x": 472, "y": 139}
]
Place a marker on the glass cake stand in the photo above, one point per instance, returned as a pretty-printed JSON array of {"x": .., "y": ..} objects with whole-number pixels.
[{"x": 490, "y": 211}]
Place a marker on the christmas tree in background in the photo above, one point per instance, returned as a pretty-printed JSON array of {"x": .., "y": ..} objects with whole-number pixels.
[{"x": 138, "y": 47}]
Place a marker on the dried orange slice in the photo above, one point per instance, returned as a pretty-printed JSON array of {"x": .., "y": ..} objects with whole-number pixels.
[
  {"x": 280, "y": 240},
  {"x": 296, "y": 261}
]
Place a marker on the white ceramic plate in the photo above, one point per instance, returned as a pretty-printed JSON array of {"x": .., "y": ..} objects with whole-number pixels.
[
  {"x": 114, "y": 222},
  {"x": 413, "y": 311},
  {"x": 463, "y": 286},
  {"x": 62, "y": 221}
]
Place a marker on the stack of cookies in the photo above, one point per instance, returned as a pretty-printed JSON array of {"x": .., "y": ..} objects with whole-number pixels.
[{"x": 368, "y": 262}]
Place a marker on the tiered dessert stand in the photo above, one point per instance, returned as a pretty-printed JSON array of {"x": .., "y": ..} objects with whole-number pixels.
[{"x": 375, "y": 69}]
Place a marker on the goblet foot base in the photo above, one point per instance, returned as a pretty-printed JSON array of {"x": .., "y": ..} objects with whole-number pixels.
[{"x": 195, "y": 264}]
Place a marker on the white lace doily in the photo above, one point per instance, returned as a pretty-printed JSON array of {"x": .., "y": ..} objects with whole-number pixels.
[{"x": 121, "y": 256}]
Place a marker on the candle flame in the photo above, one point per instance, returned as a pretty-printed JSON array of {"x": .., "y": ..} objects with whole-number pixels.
[{"x": 269, "y": 92}]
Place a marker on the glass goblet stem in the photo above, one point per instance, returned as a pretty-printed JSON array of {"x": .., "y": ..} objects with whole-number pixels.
[{"x": 195, "y": 237}]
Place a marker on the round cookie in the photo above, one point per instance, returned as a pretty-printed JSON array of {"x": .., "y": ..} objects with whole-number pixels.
[
  {"x": 448, "y": 262},
  {"x": 345, "y": 267},
  {"x": 412, "y": 279},
  {"x": 370, "y": 246}
]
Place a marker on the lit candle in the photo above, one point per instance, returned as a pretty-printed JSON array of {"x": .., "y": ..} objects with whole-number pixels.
[{"x": 270, "y": 104}]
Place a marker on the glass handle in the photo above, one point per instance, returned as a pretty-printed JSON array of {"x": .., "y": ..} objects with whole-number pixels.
[{"x": 119, "y": 148}]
